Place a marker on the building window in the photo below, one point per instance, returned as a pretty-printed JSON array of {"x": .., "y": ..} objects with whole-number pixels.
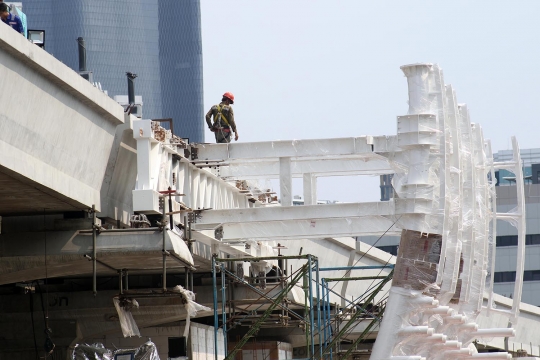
[
  {"x": 177, "y": 347},
  {"x": 508, "y": 240},
  {"x": 504, "y": 276},
  {"x": 510, "y": 276},
  {"x": 535, "y": 172},
  {"x": 512, "y": 240},
  {"x": 533, "y": 239},
  {"x": 389, "y": 249},
  {"x": 531, "y": 275}
]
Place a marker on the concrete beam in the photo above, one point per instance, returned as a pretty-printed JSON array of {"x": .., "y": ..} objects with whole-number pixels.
[
  {"x": 23, "y": 254},
  {"x": 60, "y": 136}
]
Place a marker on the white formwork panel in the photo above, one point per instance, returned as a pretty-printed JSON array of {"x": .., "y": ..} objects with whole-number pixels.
[{"x": 202, "y": 342}]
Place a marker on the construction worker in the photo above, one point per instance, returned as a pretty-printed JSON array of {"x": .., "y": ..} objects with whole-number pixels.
[
  {"x": 9, "y": 19},
  {"x": 223, "y": 119}
]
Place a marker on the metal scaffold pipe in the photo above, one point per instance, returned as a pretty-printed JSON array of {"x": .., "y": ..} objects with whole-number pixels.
[
  {"x": 256, "y": 326},
  {"x": 164, "y": 254},
  {"x": 223, "y": 307},
  {"x": 94, "y": 251},
  {"x": 355, "y": 315},
  {"x": 261, "y": 258},
  {"x": 216, "y": 321},
  {"x": 317, "y": 289},
  {"x": 306, "y": 311},
  {"x": 120, "y": 285}
]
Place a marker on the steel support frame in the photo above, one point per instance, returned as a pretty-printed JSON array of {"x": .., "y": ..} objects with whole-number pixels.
[
  {"x": 314, "y": 221},
  {"x": 329, "y": 344},
  {"x": 218, "y": 264},
  {"x": 162, "y": 164}
]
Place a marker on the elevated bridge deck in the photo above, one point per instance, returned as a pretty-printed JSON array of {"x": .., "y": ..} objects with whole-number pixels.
[{"x": 65, "y": 146}]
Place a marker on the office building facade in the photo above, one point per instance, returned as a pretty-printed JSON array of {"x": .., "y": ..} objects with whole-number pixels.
[
  {"x": 506, "y": 239},
  {"x": 505, "y": 270},
  {"x": 159, "y": 40}
]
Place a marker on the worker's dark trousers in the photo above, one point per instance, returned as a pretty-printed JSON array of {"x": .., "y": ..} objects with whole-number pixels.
[{"x": 222, "y": 136}]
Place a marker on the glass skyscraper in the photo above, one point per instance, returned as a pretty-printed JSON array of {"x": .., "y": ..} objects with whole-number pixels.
[{"x": 159, "y": 40}]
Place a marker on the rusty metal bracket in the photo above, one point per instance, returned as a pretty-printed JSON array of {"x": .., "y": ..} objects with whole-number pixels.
[
  {"x": 195, "y": 215},
  {"x": 194, "y": 153},
  {"x": 187, "y": 153},
  {"x": 218, "y": 233}
]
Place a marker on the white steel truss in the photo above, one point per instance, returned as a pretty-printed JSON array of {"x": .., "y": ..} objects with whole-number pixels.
[{"x": 444, "y": 184}]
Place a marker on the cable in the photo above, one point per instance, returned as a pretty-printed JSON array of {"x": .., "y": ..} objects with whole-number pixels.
[
  {"x": 33, "y": 324},
  {"x": 371, "y": 247},
  {"x": 49, "y": 345},
  {"x": 46, "y": 270}
]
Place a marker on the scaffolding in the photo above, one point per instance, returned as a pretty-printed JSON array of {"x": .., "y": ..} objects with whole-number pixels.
[{"x": 273, "y": 308}]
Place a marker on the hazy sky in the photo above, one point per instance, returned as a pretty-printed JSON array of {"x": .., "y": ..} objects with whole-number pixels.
[{"x": 317, "y": 69}]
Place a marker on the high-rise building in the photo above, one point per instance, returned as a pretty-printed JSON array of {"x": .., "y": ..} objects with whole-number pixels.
[{"x": 159, "y": 40}]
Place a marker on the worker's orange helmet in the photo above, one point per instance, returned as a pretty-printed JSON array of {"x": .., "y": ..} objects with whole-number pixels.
[{"x": 229, "y": 96}]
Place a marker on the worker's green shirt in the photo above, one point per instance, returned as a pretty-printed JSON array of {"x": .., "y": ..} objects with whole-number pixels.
[{"x": 227, "y": 111}]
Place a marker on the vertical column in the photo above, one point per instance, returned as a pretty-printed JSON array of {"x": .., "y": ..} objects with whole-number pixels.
[
  {"x": 310, "y": 189},
  {"x": 142, "y": 132},
  {"x": 521, "y": 229},
  {"x": 285, "y": 181},
  {"x": 226, "y": 198},
  {"x": 185, "y": 175},
  {"x": 217, "y": 203},
  {"x": 234, "y": 200},
  {"x": 212, "y": 185},
  {"x": 143, "y": 164},
  {"x": 418, "y": 257},
  {"x": 202, "y": 191},
  {"x": 418, "y": 81},
  {"x": 195, "y": 180}
]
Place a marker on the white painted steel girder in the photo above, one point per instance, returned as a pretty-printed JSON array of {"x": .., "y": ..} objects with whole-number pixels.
[
  {"x": 161, "y": 165},
  {"x": 280, "y": 213},
  {"x": 371, "y": 164},
  {"x": 440, "y": 166},
  {"x": 285, "y": 148},
  {"x": 310, "y": 229},
  {"x": 209, "y": 219}
]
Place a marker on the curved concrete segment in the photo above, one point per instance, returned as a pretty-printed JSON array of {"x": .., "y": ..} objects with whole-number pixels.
[
  {"x": 56, "y": 129},
  {"x": 22, "y": 255}
]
